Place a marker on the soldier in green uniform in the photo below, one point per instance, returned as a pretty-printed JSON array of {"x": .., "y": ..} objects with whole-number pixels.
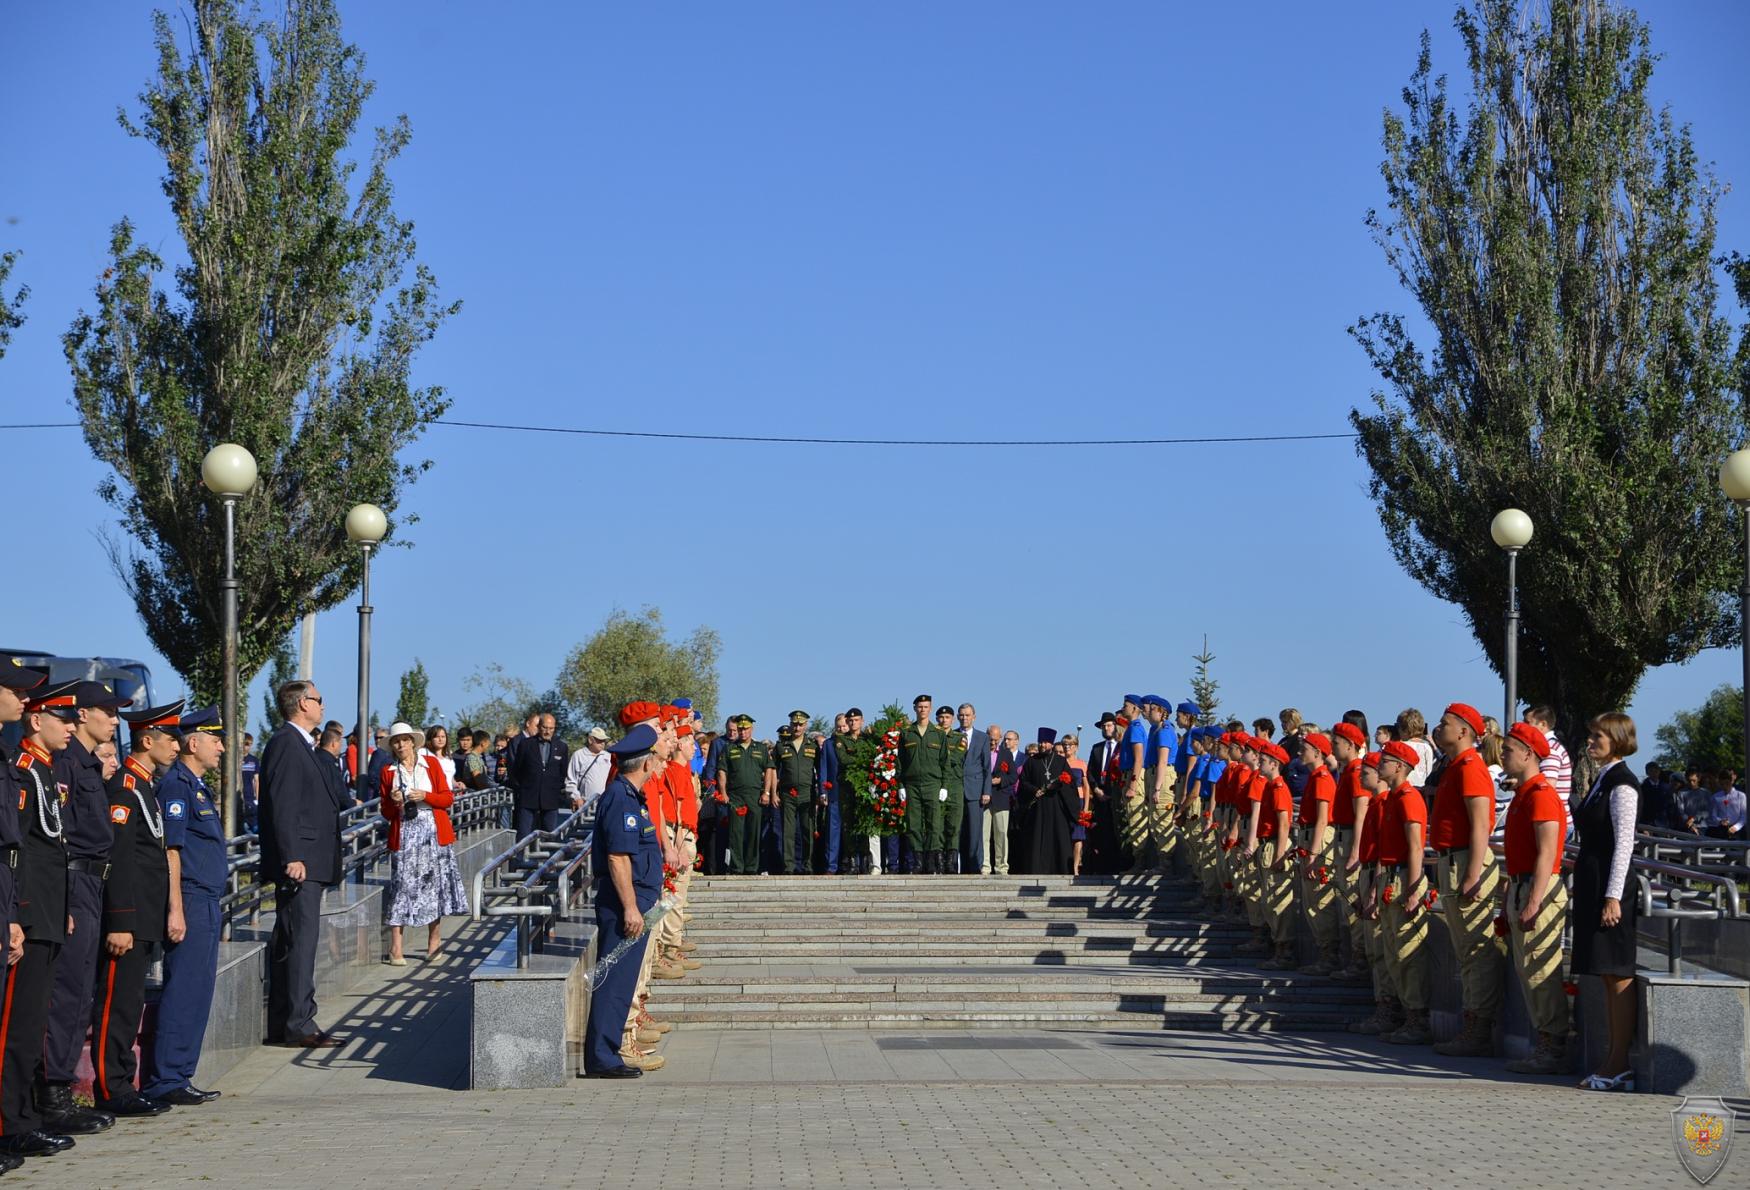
[
  {"x": 795, "y": 759},
  {"x": 954, "y": 809},
  {"x": 744, "y": 772},
  {"x": 922, "y": 750}
]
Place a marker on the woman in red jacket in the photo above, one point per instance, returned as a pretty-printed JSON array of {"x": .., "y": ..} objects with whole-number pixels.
[{"x": 424, "y": 882}]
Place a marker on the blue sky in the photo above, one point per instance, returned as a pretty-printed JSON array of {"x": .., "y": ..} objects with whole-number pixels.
[{"x": 905, "y": 220}]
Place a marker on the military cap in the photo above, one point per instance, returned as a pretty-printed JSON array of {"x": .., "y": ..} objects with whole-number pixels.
[
  {"x": 95, "y": 696},
  {"x": 167, "y": 718},
  {"x": 19, "y": 676},
  {"x": 60, "y": 700},
  {"x": 799, "y": 716},
  {"x": 205, "y": 719},
  {"x": 635, "y": 743}
]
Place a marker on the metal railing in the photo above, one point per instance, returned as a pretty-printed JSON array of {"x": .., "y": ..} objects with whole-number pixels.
[
  {"x": 538, "y": 881},
  {"x": 364, "y": 842}
]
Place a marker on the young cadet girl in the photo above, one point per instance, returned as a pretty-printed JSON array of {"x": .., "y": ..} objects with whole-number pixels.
[
  {"x": 1403, "y": 887},
  {"x": 1275, "y": 858},
  {"x": 1388, "y": 1013},
  {"x": 1317, "y": 859}
]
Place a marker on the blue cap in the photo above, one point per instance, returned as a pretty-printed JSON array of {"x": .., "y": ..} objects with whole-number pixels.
[
  {"x": 203, "y": 719},
  {"x": 634, "y": 743},
  {"x": 1190, "y": 708}
]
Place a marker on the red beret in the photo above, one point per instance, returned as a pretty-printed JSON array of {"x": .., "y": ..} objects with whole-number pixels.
[
  {"x": 1398, "y": 750},
  {"x": 1371, "y": 761},
  {"x": 1320, "y": 741},
  {"x": 638, "y": 712},
  {"x": 1274, "y": 752},
  {"x": 1350, "y": 732},
  {"x": 1469, "y": 714},
  {"x": 1532, "y": 738}
]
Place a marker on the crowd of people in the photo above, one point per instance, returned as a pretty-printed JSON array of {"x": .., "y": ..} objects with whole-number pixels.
[{"x": 1363, "y": 834}]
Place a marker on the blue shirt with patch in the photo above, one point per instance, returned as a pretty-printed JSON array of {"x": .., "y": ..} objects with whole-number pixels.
[{"x": 191, "y": 823}]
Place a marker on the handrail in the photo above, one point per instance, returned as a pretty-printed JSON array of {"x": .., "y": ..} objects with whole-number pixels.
[
  {"x": 533, "y": 880},
  {"x": 364, "y": 841}
]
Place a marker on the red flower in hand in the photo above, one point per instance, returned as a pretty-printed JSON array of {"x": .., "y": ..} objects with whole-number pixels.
[{"x": 1064, "y": 777}]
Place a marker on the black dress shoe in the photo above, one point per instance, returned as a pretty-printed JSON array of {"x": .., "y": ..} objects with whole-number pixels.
[
  {"x": 134, "y": 1105},
  {"x": 35, "y": 1144},
  {"x": 81, "y": 1121},
  {"x": 181, "y": 1097},
  {"x": 615, "y": 1072}
]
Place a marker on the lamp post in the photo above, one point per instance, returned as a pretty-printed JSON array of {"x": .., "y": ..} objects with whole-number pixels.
[
  {"x": 229, "y": 472},
  {"x": 365, "y": 526},
  {"x": 1511, "y": 530},
  {"x": 1735, "y": 483}
]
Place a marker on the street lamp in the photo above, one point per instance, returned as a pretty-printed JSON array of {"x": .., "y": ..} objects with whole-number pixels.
[
  {"x": 229, "y": 472},
  {"x": 1511, "y": 530},
  {"x": 1735, "y": 483},
  {"x": 365, "y": 526}
]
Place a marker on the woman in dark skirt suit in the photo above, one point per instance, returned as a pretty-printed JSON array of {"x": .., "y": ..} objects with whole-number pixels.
[{"x": 1605, "y": 904}]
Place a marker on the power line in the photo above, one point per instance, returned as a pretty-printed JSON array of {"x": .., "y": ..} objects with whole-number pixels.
[{"x": 782, "y": 441}]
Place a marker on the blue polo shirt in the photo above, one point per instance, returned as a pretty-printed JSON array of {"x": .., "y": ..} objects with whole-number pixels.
[
  {"x": 191, "y": 823},
  {"x": 1136, "y": 733}
]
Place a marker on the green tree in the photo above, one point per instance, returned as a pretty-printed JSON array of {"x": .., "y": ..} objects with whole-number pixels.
[
  {"x": 629, "y": 658},
  {"x": 411, "y": 704},
  {"x": 289, "y": 331},
  {"x": 1711, "y": 737},
  {"x": 1204, "y": 687},
  {"x": 10, "y": 316},
  {"x": 281, "y": 668},
  {"x": 1557, "y": 234},
  {"x": 503, "y": 703}
]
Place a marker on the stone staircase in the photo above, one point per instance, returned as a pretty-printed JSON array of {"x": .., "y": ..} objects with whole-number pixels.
[{"x": 955, "y": 952}]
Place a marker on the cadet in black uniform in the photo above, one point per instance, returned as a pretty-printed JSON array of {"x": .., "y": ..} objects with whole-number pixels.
[
  {"x": 88, "y": 840},
  {"x": 42, "y": 911},
  {"x": 136, "y": 899}
]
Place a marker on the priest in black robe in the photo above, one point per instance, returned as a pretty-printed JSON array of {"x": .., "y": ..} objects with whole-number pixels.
[{"x": 1051, "y": 791}]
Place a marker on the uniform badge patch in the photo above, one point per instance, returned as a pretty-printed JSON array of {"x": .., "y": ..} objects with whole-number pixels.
[
  {"x": 175, "y": 809},
  {"x": 118, "y": 815},
  {"x": 631, "y": 822}
]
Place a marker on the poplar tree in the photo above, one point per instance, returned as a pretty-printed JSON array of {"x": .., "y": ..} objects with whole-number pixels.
[
  {"x": 288, "y": 324},
  {"x": 1556, "y": 232}
]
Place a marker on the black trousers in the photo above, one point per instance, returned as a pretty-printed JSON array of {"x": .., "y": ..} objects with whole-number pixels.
[
  {"x": 24, "y": 1015},
  {"x": 70, "y": 1002},
  {"x": 291, "y": 960},
  {"x": 115, "y": 1021}
]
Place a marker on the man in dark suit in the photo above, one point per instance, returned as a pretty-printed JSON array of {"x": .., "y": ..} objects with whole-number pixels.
[
  {"x": 975, "y": 771},
  {"x": 300, "y": 852},
  {"x": 537, "y": 773}
]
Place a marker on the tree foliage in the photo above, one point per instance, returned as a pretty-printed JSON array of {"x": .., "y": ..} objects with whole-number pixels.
[
  {"x": 630, "y": 658},
  {"x": 11, "y": 315},
  {"x": 1557, "y": 236},
  {"x": 412, "y": 704},
  {"x": 1710, "y": 738},
  {"x": 1203, "y": 687},
  {"x": 288, "y": 330}
]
